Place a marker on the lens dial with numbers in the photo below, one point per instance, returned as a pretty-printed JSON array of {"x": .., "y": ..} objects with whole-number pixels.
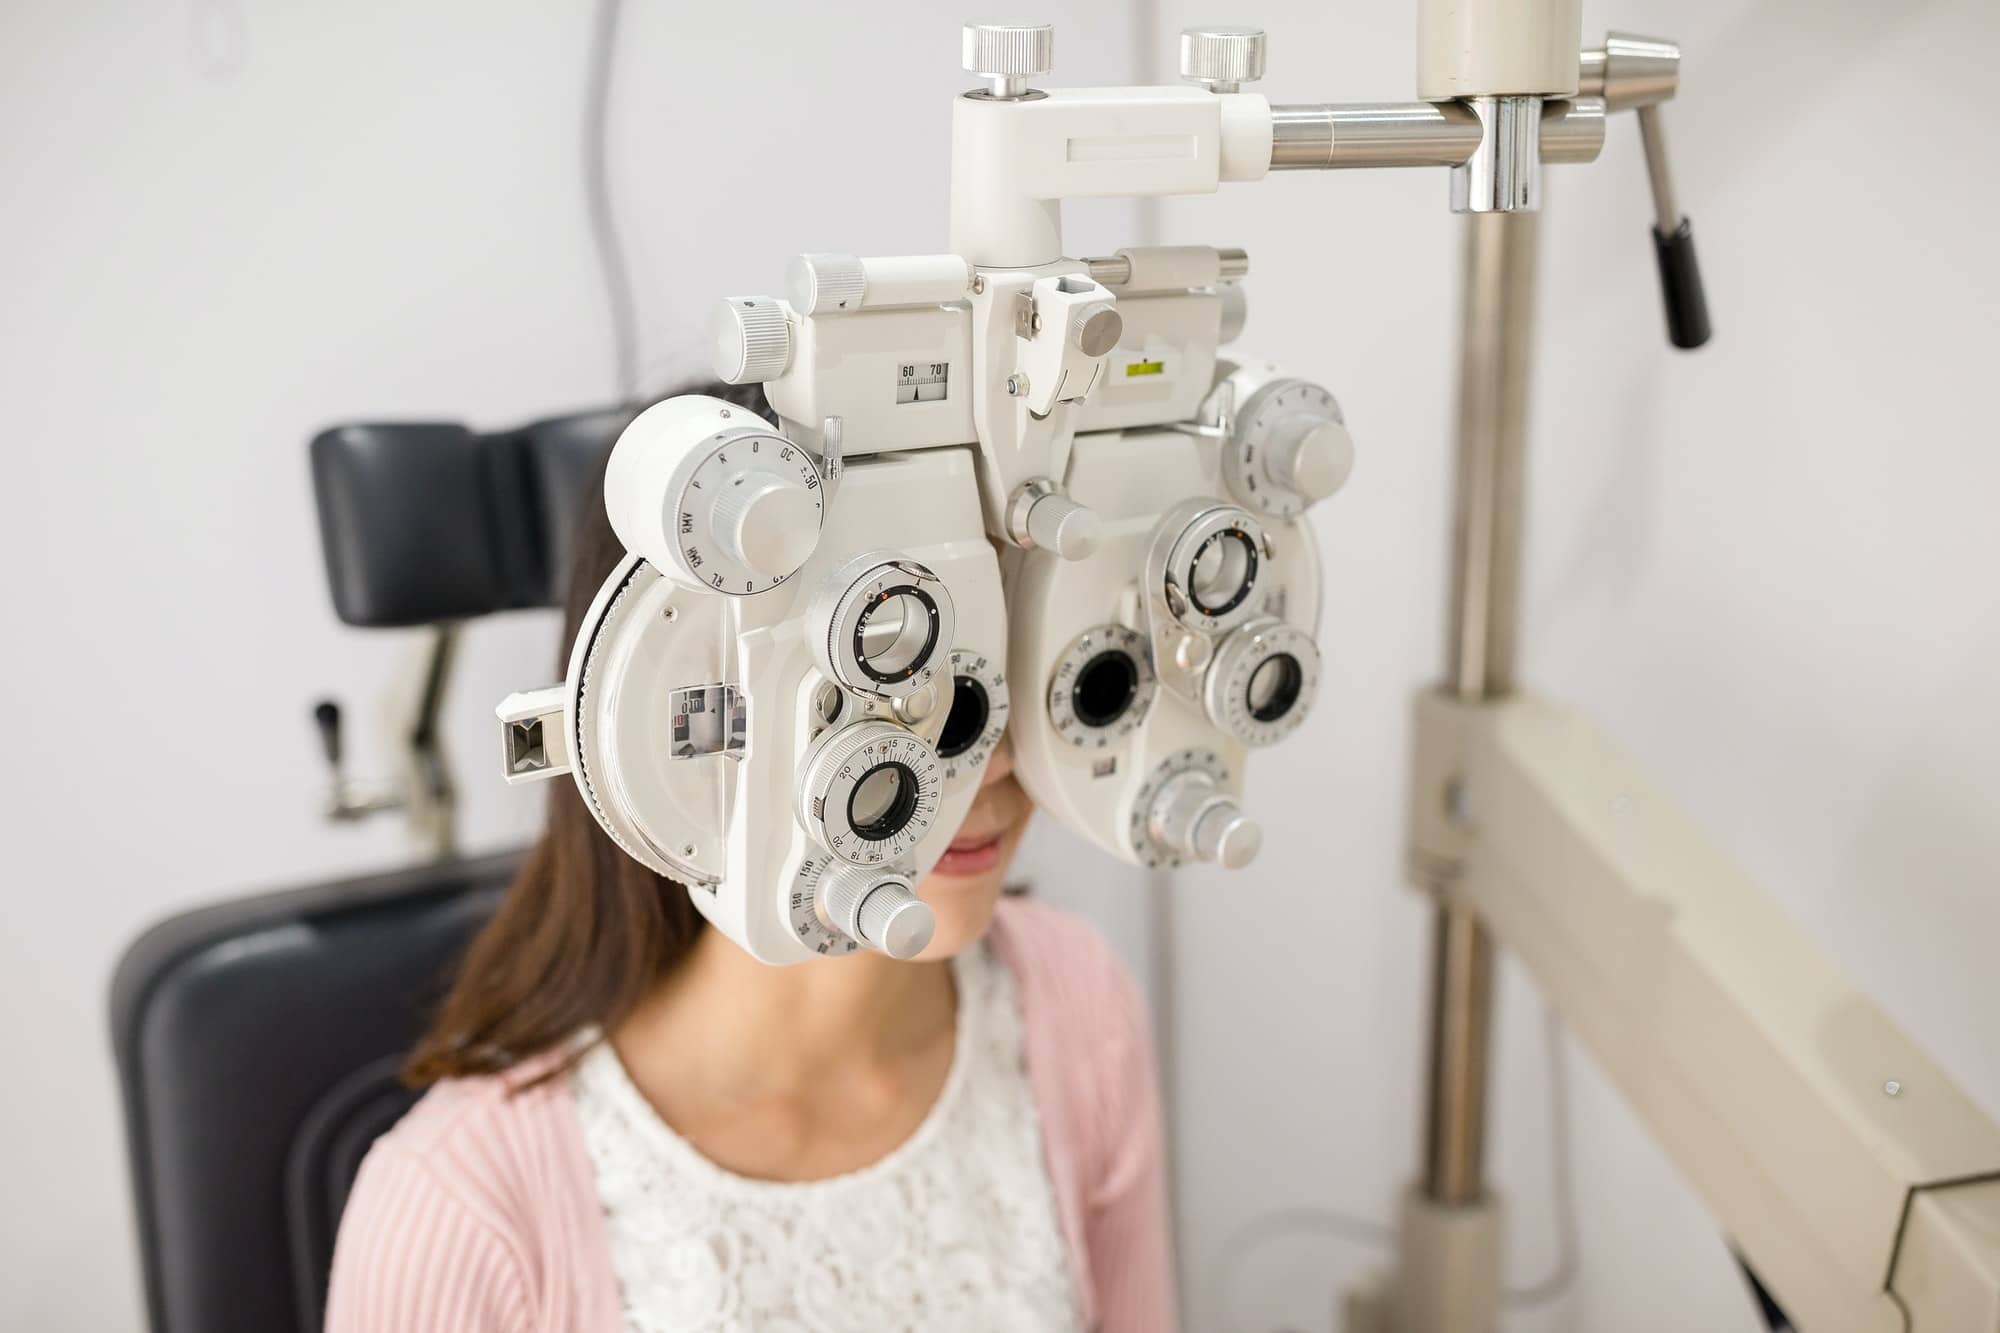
[
  {"x": 1102, "y": 687},
  {"x": 1213, "y": 557},
  {"x": 869, "y": 791},
  {"x": 1291, "y": 448},
  {"x": 882, "y": 626},
  {"x": 977, "y": 713},
  {"x": 1262, "y": 682},
  {"x": 747, "y": 510}
]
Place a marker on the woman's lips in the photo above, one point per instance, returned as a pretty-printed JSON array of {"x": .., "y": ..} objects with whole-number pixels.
[{"x": 963, "y": 858}]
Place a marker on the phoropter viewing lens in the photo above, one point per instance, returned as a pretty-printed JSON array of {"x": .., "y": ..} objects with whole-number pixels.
[
  {"x": 967, "y": 718},
  {"x": 882, "y": 801},
  {"x": 896, "y": 634},
  {"x": 1224, "y": 569},
  {"x": 1105, "y": 688},
  {"x": 1274, "y": 687}
]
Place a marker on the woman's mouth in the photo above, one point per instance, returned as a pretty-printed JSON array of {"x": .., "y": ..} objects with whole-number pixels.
[{"x": 970, "y": 856}]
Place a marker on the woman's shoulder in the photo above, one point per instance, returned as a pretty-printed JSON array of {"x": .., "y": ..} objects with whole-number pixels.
[{"x": 1063, "y": 966}]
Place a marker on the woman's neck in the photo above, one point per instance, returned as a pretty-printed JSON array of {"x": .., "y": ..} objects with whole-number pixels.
[{"x": 726, "y": 1027}]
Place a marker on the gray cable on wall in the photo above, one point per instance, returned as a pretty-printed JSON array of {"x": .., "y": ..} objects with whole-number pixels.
[{"x": 597, "y": 199}]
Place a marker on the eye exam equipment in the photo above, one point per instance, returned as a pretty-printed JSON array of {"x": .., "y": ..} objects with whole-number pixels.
[{"x": 1013, "y": 488}]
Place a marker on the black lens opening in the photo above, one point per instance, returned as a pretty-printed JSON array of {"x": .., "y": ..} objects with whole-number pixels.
[
  {"x": 1244, "y": 567},
  {"x": 1274, "y": 687},
  {"x": 1105, "y": 688},
  {"x": 882, "y": 801},
  {"x": 966, "y": 721}
]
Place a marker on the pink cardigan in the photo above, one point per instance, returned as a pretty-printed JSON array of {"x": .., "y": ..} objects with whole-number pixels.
[{"x": 478, "y": 1213}]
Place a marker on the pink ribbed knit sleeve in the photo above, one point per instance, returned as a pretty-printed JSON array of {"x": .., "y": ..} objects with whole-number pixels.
[{"x": 414, "y": 1257}]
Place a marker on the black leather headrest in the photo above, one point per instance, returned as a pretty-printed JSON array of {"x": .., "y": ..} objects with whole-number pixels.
[{"x": 429, "y": 522}]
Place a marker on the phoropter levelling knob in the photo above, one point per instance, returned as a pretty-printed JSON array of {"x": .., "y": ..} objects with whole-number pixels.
[
  {"x": 1007, "y": 55},
  {"x": 1222, "y": 58}
]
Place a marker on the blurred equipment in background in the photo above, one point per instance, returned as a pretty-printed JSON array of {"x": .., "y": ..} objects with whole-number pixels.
[{"x": 258, "y": 1042}]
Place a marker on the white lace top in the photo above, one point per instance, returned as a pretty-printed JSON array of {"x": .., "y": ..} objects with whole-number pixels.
[{"x": 955, "y": 1229}]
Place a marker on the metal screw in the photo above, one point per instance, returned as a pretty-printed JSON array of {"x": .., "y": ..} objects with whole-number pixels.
[
  {"x": 1892, "y": 1087},
  {"x": 978, "y": 284},
  {"x": 725, "y": 411},
  {"x": 1035, "y": 322},
  {"x": 688, "y": 850},
  {"x": 1016, "y": 385},
  {"x": 671, "y": 614}
]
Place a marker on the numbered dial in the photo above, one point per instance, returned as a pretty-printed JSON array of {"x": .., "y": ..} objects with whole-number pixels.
[
  {"x": 802, "y": 903},
  {"x": 1214, "y": 556},
  {"x": 1184, "y": 812},
  {"x": 1262, "y": 682},
  {"x": 1102, "y": 687},
  {"x": 747, "y": 507},
  {"x": 869, "y": 791},
  {"x": 1291, "y": 448},
  {"x": 884, "y": 626},
  {"x": 977, "y": 716}
]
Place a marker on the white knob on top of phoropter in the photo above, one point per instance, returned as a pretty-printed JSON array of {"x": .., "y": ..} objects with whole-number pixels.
[
  {"x": 1007, "y": 55},
  {"x": 768, "y": 524},
  {"x": 1310, "y": 456},
  {"x": 1195, "y": 818},
  {"x": 751, "y": 339},
  {"x": 1222, "y": 58}
]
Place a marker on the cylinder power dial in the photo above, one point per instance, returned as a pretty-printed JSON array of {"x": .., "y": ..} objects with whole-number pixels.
[
  {"x": 711, "y": 494},
  {"x": 869, "y": 791},
  {"x": 1291, "y": 448}
]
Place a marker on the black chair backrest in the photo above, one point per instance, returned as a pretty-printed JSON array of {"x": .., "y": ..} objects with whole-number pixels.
[
  {"x": 257, "y": 1045},
  {"x": 422, "y": 523}
]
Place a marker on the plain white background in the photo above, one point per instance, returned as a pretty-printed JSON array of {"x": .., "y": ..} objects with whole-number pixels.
[{"x": 1769, "y": 569}]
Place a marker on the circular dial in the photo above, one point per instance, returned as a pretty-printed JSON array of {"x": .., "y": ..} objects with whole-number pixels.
[
  {"x": 1291, "y": 448},
  {"x": 1262, "y": 682},
  {"x": 869, "y": 791},
  {"x": 746, "y": 509},
  {"x": 1213, "y": 561},
  {"x": 977, "y": 714},
  {"x": 1184, "y": 812},
  {"x": 876, "y": 908},
  {"x": 887, "y": 626},
  {"x": 1102, "y": 686},
  {"x": 802, "y": 903}
]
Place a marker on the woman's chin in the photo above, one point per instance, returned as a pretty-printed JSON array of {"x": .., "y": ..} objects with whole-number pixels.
[{"x": 962, "y": 889}]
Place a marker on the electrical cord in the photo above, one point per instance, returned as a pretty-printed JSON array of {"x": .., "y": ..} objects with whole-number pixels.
[
  {"x": 1239, "y": 1244},
  {"x": 597, "y": 200}
]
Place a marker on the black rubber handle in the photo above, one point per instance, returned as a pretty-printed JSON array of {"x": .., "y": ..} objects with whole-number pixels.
[
  {"x": 1680, "y": 286},
  {"x": 327, "y": 716}
]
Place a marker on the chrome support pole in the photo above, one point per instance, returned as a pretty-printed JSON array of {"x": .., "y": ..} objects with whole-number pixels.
[{"x": 1492, "y": 419}]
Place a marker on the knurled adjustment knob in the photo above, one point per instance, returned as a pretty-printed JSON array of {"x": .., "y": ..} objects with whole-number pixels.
[
  {"x": 767, "y": 523},
  {"x": 880, "y": 911},
  {"x": 751, "y": 339},
  {"x": 1195, "y": 818},
  {"x": 1007, "y": 55},
  {"x": 1222, "y": 58},
  {"x": 1095, "y": 329},
  {"x": 1039, "y": 515}
]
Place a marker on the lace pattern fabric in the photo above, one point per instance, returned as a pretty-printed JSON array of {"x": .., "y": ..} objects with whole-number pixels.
[{"x": 955, "y": 1229}]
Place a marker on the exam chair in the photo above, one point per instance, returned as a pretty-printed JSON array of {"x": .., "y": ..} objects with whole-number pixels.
[{"x": 258, "y": 1041}]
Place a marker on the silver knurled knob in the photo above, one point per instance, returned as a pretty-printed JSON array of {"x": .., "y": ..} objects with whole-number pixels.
[
  {"x": 750, "y": 339},
  {"x": 1197, "y": 819},
  {"x": 1222, "y": 58},
  {"x": 1009, "y": 54},
  {"x": 1040, "y": 515},
  {"x": 881, "y": 911}
]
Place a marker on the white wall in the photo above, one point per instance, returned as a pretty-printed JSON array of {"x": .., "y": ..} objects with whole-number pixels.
[
  {"x": 1770, "y": 569},
  {"x": 209, "y": 250}
]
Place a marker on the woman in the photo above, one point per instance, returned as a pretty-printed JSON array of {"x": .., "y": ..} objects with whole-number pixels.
[{"x": 633, "y": 1124}]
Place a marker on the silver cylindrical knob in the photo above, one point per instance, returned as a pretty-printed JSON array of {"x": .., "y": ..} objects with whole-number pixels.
[
  {"x": 1094, "y": 329},
  {"x": 1057, "y": 523},
  {"x": 1195, "y": 818},
  {"x": 1310, "y": 456},
  {"x": 750, "y": 339},
  {"x": 1222, "y": 58},
  {"x": 767, "y": 523},
  {"x": 823, "y": 283},
  {"x": 1007, "y": 55},
  {"x": 880, "y": 911}
]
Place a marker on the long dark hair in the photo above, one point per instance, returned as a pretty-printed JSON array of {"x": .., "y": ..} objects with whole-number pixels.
[{"x": 584, "y": 931}]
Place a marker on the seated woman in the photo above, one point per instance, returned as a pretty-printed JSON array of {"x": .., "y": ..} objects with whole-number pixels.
[{"x": 632, "y": 1124}]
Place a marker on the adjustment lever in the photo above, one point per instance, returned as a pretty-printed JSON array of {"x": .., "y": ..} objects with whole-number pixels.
[
  {"x": 1638, "y": 74},
  {"x": 346, "y": 800}
]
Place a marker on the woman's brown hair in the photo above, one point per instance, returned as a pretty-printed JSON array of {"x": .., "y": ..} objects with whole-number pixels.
[{"x": 584, "y": 930}]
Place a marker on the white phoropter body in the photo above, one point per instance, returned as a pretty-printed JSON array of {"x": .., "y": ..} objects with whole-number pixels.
[{"x": 786, "y": 695}]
